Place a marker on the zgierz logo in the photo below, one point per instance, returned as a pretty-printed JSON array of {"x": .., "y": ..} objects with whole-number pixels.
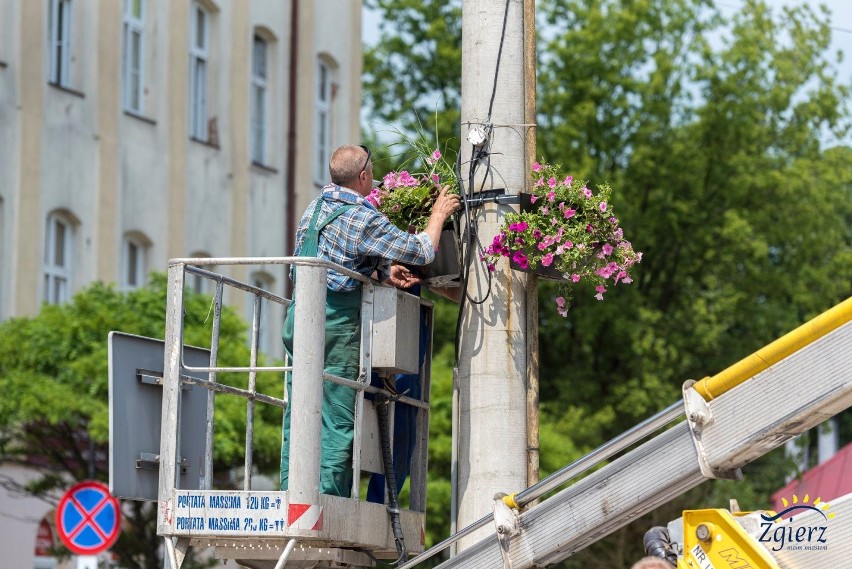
[{"x": 779, "y": 533}]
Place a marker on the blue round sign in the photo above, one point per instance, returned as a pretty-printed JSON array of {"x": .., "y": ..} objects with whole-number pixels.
[{"x": 88, "y": 518}]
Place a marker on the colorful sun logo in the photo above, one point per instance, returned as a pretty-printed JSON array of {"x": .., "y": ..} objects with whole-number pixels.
[{"x": 804, "y": 505}]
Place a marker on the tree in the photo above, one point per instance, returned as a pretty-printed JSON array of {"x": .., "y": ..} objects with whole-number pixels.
[
  {"x": 413, "y": 71},
  {"x": 712, "y": 129},
  {"x": 54, "y": 415}
]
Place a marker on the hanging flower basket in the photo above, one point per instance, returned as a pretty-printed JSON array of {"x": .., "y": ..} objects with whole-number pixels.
[
  {"x": 567, "y": 232},
  {"x": 445, "y": 270},
  {"x": 406, "y": 198}
]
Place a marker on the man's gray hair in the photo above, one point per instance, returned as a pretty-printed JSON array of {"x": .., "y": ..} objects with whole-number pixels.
[{"x": 346, "y": 164}]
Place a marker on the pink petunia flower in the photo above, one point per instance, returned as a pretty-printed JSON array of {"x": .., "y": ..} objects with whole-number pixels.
[
  {"x": 406, "y": 179},
  {"x": 547, "y": 260},
  {"x": 436, "y": 155},
  {"x": 569, "y": 212},
  {"x": 575, "y": 277},
  {"x": 602, "y": 206},
  {"x": 601, "y": 290},
  {"x": 551, "y": 195},
  {"x": 568, "y": 179},
  {"x": 536, "y": 167},
  {"x": 521, "y": 260},
  {"x": 607, "y": 249},
  {"x": 551, "y": 183},
  {"x": 560, "y": 301},
  {"x": 568, "y": 244},
  {"x": 390, "y": 180},
  {"x": 533, "y": 198},
  {"x": 587, "y": 192},
  {"x": 545, "y": 210}
]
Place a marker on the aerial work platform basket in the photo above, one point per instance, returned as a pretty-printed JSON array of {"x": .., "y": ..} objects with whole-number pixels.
[{"x": 299, "y": 526}]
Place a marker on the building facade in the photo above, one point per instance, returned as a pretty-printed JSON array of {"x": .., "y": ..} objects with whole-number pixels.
[{"x": 135, "y": 131}]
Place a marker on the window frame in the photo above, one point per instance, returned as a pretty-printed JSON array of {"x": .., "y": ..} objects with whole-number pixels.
[
  {"x": 59, "y": 42},
  {"x": 259, "y": 90},
  {"x": 58, "y": 277},
  {"x": 322, "y": 121},
  {"x": 141, "y": 262},
  {"x": 133, "y": 24},
  {"x": 199, "y": 57}
]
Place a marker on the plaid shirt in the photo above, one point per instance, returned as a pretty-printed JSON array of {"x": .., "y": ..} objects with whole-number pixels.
[{"x": 361, "y": 239}]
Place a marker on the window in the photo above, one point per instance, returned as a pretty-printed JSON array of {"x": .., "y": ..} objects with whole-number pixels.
[
  {"x": 58, "y": 262},
  {"x": 199, "y": 41},
  {"x": 135, "y": 261},
  {"x": 257, "y": 135},
  {"x": 322, "y": 127},
  {"x": 59, "y": 47},
  {"x": 134, "y": 30}
]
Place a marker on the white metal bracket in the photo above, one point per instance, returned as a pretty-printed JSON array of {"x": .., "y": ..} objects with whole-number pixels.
[
  {"x": 507, "y": 525},
  {"x": 698, "y": 416}
]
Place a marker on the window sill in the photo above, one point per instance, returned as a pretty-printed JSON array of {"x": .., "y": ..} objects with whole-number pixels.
[
  {"x": 140, "y": 117},
  {"x": 263, "y": 168},
  {"x": 68, "y": 90},
  {"x": 206, "y": 143}
]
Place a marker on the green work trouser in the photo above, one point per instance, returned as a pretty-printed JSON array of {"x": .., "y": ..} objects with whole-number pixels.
[{"x": 342, "y": 356}]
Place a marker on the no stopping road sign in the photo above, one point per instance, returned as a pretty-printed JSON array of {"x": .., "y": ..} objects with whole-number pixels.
[{"x": 88, "y": 518}]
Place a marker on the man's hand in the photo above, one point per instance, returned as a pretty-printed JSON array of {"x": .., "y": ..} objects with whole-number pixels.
[
  {"x": 443, "y": 208},
  {"x": 446, "y": 204},
  {"x": 401, "y": 277}
]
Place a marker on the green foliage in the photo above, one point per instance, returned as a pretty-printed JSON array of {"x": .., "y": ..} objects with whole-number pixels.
[
  {"x": 413, "y": 71},
  {"x": 53, "y": 373},
  {"x": 711, "y": 129}
]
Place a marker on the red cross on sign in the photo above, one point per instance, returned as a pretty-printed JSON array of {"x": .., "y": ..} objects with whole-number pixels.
[{"x": 88, "y": 518}]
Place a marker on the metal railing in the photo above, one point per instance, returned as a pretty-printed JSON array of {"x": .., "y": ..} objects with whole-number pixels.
[{"x": 310, "y": 288}]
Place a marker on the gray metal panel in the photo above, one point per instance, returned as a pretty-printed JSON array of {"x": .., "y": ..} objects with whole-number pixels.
[
  {"x": 396, "y": 342},
  {"x": 799, "y": 392},
  {"x": 135, "y": 409}
]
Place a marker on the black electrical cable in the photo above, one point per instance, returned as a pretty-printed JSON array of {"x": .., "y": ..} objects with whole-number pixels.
[
  {"x": 499, "y": 57},
  {"x": 381, "y": 403}
]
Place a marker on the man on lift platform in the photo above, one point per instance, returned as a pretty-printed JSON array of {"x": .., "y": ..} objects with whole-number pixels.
[{"x": 341, "y": 226}]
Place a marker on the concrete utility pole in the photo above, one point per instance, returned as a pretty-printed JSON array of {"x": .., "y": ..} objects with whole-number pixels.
[{"x": 495, "y": 365}]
